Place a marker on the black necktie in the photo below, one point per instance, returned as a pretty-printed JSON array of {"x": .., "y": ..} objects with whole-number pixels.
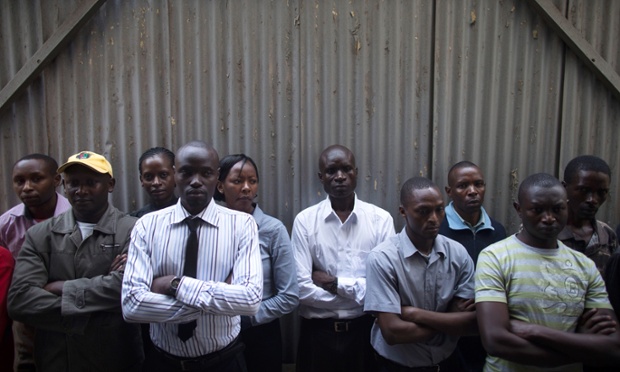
[{"x": 186, "y": 330}]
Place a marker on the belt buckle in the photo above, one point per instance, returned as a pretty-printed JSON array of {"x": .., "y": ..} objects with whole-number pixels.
[
  {"x": 188, "y": 365},
  {"x": 341, "y": 326}
]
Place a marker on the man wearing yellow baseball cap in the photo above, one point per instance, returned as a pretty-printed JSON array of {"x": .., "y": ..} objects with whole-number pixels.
[
  {"x": 67, "y": 280},
  {"x": 90, "y": 160}
]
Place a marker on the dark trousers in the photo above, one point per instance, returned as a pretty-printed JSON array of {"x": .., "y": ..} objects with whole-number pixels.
[
  {"x": 263, "y": 347},
  {"x": 23, "y": 338},
  {"x": 7, "y": 349},
  {"x": 229, "y": 359},
  {"x": 335, "y": 345},
  {"x": 469, "y": 356},
  {"x": 147, "y": 344}
]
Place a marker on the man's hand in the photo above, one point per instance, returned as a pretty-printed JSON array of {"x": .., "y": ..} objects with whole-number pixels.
[
  {"x": 460, "y": 305},
  {"x": 593, "y": 322},
  {"x": 321, "y": 278},
  {"x": 55, "y": 287},
  {"x": 119, "y": 263},
  {"x": 325, "y": 281},
  {"x": 161, "y": 285}
]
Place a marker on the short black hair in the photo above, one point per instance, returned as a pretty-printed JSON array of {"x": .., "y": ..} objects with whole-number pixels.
[
  {"x": 462, "y": 164},
  {"x": 155, "y": 151},
  {"x": 331, "y": 148},
  {"x": 585, "y": 163},
  {"x": 415, "y": 183},
  {"x": 544, "y": 180},
  {"x": 50, "y": 162},
  {"x": 226, "y": 165},
  {"x": 459, "y": 165}
]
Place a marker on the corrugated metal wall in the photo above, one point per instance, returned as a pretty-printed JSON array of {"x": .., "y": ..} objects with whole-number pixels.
[
  {"x": 589, "y": 115},
  {"x": 498, "y": 87},
  {"x": 410, "y": 86}
]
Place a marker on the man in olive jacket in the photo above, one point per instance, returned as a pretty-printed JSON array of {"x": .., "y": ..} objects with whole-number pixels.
[{"x": 68, "y": 275}]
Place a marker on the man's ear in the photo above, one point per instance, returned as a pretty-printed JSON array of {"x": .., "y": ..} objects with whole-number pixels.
[
  {"x": 564, "y": 184},
  {"x": 141, "y": 181},
  {"x": 401, "y": 210},
  {"x": 448, "y": 190},
  {"x": 320, "y": 176},
  {"x": 57, "y": 180},
  {"x": 517, "y": 207},
  {"x": 220, "y": 187},
  {"x": 111, "y": 184}
]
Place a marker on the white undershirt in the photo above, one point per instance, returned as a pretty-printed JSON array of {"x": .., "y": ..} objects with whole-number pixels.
[{"x": 86, "y": 229}]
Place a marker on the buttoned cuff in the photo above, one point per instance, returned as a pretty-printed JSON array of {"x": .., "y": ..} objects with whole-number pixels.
[
  {"x": 72, "y": 302},
  {"x": 73, "y": 299},
  {"x": 189, "y": 291}
]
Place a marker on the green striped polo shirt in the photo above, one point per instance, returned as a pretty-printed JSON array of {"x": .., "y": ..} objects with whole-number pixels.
[{"x": 550, "y": 287}]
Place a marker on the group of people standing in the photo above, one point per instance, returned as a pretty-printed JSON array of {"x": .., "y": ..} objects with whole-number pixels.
[{"x": 188, "y": 284}]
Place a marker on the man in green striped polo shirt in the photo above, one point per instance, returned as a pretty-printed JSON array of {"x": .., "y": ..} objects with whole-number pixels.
[{"x": 542, "y": 306}]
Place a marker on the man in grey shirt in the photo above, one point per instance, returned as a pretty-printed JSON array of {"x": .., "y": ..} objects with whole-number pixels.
[{"x": 420, "y": 286}]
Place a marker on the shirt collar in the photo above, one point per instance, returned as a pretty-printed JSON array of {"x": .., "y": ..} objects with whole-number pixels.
[
  {"x": 328, "y": 212},
  {"x": 258, "y": 215},
  {"x": 209, "y": 215},
  {"x": 567, "y": 232},
  {"x": 20, "y": 210},
  {"x": 62, "y": 205},
  {"x": 106, "y": 224},
  {"x": 409, "y": 249},
  {"x": 456, "y": 222}
]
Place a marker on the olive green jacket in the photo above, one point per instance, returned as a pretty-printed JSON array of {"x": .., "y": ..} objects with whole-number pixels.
[{"x": 82, "y": 330}]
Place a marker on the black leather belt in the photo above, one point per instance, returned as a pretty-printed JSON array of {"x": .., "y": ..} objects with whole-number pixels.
[
  {"x": 341, "y": 325},
  {"x": 205, "y": 361}
]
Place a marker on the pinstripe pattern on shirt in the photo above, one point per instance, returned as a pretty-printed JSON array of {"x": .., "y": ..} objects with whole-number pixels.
[{"x": 228, "y": 244}]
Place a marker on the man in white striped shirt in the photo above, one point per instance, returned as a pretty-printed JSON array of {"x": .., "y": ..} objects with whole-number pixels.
[{"x": 227, "y": 283}]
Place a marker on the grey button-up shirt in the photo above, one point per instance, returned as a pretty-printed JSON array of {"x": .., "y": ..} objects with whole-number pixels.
[
  {"x": 398, "y": 275},
  {"x": 280, "y": 290}
]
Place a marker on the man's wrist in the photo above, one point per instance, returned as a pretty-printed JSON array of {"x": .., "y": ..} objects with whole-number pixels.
[
  {"x": 333, "y": 286},
  {"x": 174, "y": 286}
]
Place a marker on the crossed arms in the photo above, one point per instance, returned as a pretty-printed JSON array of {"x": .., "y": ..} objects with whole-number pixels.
[
  {"x": 418, "y": 325},
  {"x": 62, "y": 305},
  {"x": 234, "y": 288},
  {"x": 597, "y": 338}
]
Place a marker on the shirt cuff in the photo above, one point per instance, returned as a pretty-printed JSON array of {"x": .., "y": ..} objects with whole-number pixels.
[
  {"x": 343, "y": 284},
  {"x": 189, "y": 290}
]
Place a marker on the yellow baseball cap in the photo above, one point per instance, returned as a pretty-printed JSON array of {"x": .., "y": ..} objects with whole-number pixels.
[{"x": 88, "y": 159}]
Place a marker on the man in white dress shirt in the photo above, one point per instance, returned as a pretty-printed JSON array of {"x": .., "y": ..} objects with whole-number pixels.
[
  {"x": 194, "y": 318},
  {"x": 331, "y": 241}
]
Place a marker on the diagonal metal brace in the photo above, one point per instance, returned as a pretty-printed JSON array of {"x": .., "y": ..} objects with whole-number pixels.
[
  {"x": 48, "y": 51},
  {"x": 580, "y": 46}
]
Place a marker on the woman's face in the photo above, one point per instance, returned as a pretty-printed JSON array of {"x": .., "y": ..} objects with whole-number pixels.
[
  {"x": 240, "y": 187},
  {"x": 157, "y": 179}
]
